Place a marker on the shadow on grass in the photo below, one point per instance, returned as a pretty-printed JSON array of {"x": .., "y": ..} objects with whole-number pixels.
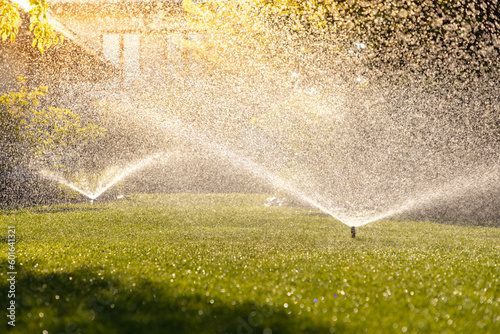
[{"x": 82, "y": 302}]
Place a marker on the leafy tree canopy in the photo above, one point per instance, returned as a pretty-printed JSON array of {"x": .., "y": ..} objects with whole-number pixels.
[
  {"x": 31, "y": 132},
  {"x": 418, "y": 33},
  {"x": 43, "y": 33}
]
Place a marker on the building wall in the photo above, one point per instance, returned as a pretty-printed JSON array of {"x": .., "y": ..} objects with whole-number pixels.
[{"x": 144, "y": 40}]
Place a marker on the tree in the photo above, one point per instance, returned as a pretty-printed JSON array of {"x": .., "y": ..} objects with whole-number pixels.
[
  {"x": 30, "y": 132},
  {"x": 421, "y": 34},
  {"x": 43, "y": 33}
]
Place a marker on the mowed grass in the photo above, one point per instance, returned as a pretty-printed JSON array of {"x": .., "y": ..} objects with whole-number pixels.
[{"x": 213, "y": 263}]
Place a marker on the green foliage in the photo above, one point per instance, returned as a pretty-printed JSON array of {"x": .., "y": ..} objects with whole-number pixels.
[
  {"x": 9, "y": 16},
  {"x": 44, "y": 35},
  {"x": 30, "y": 131},
  {"x": 233, "y": 30},
  {"x": 417, "y": 32},
  {"x": 214, "y": 263},
  {"x": 43, "y": 32}
]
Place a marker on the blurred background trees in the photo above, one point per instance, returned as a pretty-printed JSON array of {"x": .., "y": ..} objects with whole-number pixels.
[
  {"x": 34, "y": 133},
  {"x": 44, "y": 35},
  {"x": 31, "y": 129},
  {"x": 30, "y": 132},
  {"x": 403, "y": 33}
]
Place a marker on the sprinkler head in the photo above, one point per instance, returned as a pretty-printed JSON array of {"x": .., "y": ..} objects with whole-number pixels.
[{"x": 353, "y": 232}]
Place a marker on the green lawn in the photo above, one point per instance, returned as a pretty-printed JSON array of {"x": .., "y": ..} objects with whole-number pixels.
[{"x": 198, "y": 263}]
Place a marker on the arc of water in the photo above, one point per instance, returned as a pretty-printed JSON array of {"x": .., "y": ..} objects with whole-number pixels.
[
  {"x": 57, "y": 178},
  {"x": 132, "y": 168},
  {"x": 237, "y": 160},
  {"x": 262, "y": 172},
  {"x": 159, "y": 121},
  {"x": 126, "y": 172},
  {"x": 449, "y": 191}
]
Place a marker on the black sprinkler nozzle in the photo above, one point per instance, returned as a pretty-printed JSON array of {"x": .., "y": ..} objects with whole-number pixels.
[{"x": 353, "y": 232}]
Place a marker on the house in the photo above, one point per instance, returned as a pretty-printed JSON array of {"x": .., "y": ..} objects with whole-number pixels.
[
  {"x": 142, "y": 39},
  {"x": 110, "y": 44}
]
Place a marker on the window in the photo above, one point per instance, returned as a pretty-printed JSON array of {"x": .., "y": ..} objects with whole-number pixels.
[
  {"x": 123, "y": 51},
  {"x": 111, "y": 48}
]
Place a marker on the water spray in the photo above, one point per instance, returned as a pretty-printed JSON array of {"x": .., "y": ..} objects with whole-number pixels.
[
  {"x": 132, "y": 168},
  {"x": 353, "y": 231}
]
